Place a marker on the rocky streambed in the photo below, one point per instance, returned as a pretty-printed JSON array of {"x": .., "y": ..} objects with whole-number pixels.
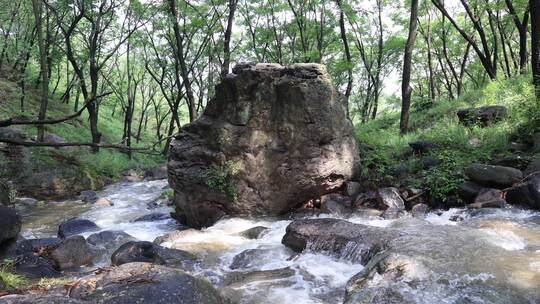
[{"x": 455, "y": 256}]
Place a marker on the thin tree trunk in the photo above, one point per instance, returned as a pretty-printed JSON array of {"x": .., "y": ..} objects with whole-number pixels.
[
  {"x": 534, "y": 6},
  {"x": 348, "y": 57},
  {"x": 43, "y": 66},
  {"x": 227, "y": 39},
  {"x": 406, "y": 89}
]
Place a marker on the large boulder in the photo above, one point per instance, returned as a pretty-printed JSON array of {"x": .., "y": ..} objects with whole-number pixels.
[
  {"x": 272, "y": 138},
  {"x": 483, "y": 115},
  {"x": 493, "y": 176},
  {"x": 10, "y": 224}
]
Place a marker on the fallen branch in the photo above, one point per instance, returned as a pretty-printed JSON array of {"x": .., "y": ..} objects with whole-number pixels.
[
  {"x": 68, "y": 144},
  {"x": 12, "y": 122},
  {"x": 415, "y": 196}
]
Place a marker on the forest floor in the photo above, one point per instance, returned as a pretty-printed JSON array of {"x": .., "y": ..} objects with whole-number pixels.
[
  {"x": 388, "y": 159},
  {"x": 97, "y": 169}
]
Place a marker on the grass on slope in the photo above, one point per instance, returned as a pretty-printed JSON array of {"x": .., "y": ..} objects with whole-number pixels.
[
  {"x": 107, "y": 162},
  {"x": 384, "y": 150}
]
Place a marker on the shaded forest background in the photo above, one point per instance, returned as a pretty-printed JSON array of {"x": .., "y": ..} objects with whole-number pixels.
[{"x": 128, "y": 74}]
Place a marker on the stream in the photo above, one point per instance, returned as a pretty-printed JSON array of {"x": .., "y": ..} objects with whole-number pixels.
[{"x": 484, "y": 256}]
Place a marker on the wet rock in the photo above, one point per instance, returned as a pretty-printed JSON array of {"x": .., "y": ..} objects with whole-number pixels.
[
  {"x": 34, "y": 267},
  {"x": 419, "y": 210},
  {"x": 71, "y": 252},
  {"x": 38, "y": 299},
  {"x": 75, "y": 226},
  {"x": 389, "y": 200},
  {"x": 352, "y": 189},
  {"x": 483, "y": 116},
  {"x": 131, "y": 176},
  {"x": 344, "y": 239},
  {"x": 468, "y": 191},
  {"x": 366, "y": 200},
  {"x": 526, "y": 193},
  {"x": 278, "y": 135},
  {"x": 514, "y": 161},
  {"x": 35, "y": 245},
  {"x": 89, "y": 196},
  {"x": 335, "y": 203},
  {"x": 10, "y": 224},
  {"x": 156, "y": 173},
  {"x": 421, "y": 146},
  {"x": 488, "y": 198},
  {"x": 254, "y": 233},
  {"x": 533, "y": 167},
  {"x": 103, "y": 202},
  {"x": 246, "y": 259},
  {"x": 367, "y": 212},
  {"x": 493, "y": 176},
  {"x": 145, "y": 283},
  {"x": 109, "y": 239},
  {"x": 152, "y": 217},
  {"x": 152, "y": 253},
  {"x": 13, "y": 134},
  {"x": 237, "y": 279}
]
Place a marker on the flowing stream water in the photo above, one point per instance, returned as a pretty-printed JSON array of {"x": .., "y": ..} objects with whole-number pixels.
[{"x": 461, "y": 253}]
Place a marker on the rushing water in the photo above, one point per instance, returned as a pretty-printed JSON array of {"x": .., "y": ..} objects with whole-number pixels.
[{"x": 455, "y": 250}]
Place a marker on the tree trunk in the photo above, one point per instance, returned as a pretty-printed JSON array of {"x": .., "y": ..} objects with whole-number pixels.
[
  {"x": 534, "y": 6},
  {"x": 227, "y": 39},
  {"x": 406, "y": 89},
  {"x": 43, "y": 66},
  {"x": 343, "y": 33}
]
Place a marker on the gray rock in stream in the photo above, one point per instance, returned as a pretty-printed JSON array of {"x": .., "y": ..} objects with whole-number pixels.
[
  {"x": 246, "y": 258},
  {"x": 152, "y": 253},
  {"x": 347, "y": 240},
  {"x": 110, "y": 239},
  {"x": 254, "y": 233},
  {"x": 75, "y": 226}
]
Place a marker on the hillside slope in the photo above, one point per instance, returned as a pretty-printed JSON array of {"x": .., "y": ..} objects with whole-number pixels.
[
  {"x": 54, "y": 173},
  {"x": 388, "y": 157}
]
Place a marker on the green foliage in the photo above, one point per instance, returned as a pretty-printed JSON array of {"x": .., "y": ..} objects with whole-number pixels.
[
  {"x": 11, "y": 280},
  {"x": 220, "y": 177},
  {"x": 455, "y": 145}
]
